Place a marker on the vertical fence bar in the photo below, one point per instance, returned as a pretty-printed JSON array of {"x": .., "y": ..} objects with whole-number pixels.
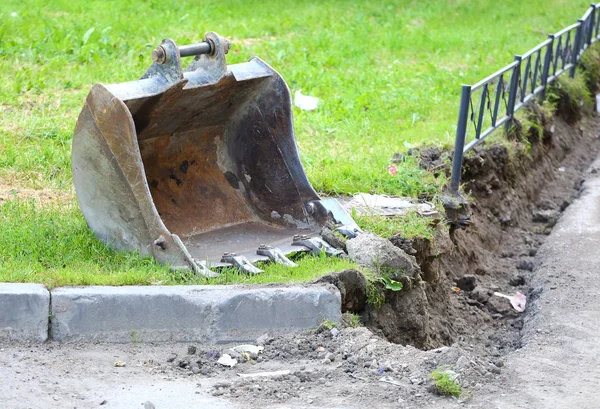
[
  {"x": 547, "y": 63},
  {"x": 576, "y": 49},
  {"x": 591, "y": 25},
  {"x": 461, "y": 136},
  {"x": 512, "y": 92}
]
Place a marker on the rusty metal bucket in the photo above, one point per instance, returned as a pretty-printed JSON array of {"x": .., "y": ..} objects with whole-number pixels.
[{"x": 198, "y": 168}]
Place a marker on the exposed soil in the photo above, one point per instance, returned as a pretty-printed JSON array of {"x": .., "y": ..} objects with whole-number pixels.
[{"x": 42, "y": 196}]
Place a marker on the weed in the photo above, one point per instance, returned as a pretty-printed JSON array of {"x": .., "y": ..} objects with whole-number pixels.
[
  {"x": 328, "y": 325},
  {"x": 352, "y": 320},
  {"x": 590, "y": 64},
  {"x": 390, "y": 284},
  {"x": 446, "y": 383},
  {"x": 571, "y": 97},
  {"x": 375, "y": 296}
]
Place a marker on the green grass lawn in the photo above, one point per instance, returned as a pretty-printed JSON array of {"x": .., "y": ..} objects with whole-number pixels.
[{"x": 388, "y": 74}]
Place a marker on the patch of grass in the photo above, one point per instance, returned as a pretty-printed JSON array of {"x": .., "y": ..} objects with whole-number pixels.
[
  {"x": 446, "y": 383},
  {"x": 590, "y": 64},
  {"x": 409, "y": 226},
  {"x": 52, "y": 245},
  {"x": 571, "y": 96},
  {"x": 398, "y": 89}
]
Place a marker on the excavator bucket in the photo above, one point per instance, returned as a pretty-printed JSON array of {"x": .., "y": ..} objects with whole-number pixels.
[{"x": 198, "y": 168}]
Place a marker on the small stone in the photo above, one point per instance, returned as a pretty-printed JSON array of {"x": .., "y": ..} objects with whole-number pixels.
[
  {"x": 149, "y": 405},
  {"x": 466, "y": 282},
  {"x": 264, "y": 339},
  {"x": 545, "y": 216},
  {"x": 104, "y": 402},
  {"x": 532, "y": 252},
  {"x": 335, "y": 332},
  {"x": 480, "y": 294},
  {"x": 191, "y": 350},
  {"x": 172, "y": 358},
  {"x": 499, "y": 305},
  {"x": 525, "y": 265},
  {"x": 493, "y": 369},
  {"x": 517, "y": 280},
  {"x": 194, "y": 367}
]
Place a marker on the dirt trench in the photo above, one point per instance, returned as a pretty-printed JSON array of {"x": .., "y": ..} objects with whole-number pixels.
[{"x": 516, "y": 193}]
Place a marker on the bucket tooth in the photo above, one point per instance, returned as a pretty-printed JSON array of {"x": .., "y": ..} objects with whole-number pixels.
[
  {"x": 275, "y": 254},
  {"x": 348, "y": 231},
  {"x": 315, "y": 245},
  {"x": 241, "y": 263}
]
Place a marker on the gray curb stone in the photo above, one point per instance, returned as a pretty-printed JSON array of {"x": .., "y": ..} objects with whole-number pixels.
[
  {"x": 213, "y": 314},
  {"x": 24, "y": 310}
]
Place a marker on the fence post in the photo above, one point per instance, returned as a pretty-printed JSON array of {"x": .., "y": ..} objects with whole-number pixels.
[
  {"x": 512, "y": 92},
  {"x": 592, "y": 25},
  {"x": 547, "y": 63},
  {"x": 461, "y": 135},
  {"x": 576, "y": 49}
]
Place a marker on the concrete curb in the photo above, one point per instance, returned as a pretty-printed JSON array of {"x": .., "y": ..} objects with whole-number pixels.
[
  {"x": 212, "y": 314},
  {"x": 24, "y": 310}
]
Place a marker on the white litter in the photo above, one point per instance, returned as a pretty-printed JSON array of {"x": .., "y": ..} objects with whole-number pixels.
[
  {"x": 305, "y": 102},
  {"x": 390, "y": 380},
  {"x": 264, "y": 374},
  {"x": 383, "y": 205},
  {"x": 227, "y": 360},
  {"x": 251, "y": 349},
  {"x": 518, "y": 301}
]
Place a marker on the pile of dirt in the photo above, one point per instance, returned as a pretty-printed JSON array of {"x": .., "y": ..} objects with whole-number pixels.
[{"x": 350, "y": 367}]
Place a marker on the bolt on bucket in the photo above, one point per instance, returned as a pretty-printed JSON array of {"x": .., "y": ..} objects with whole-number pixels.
[{"x": 200, "y": 167}]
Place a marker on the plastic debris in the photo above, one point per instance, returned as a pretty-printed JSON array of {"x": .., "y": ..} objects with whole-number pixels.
[
  {"x": 251, "y": 349},
  {"x": 518, "y": 301},
  {"x": 390, "y": 380},
  {"x": 264, "y": 374},
  {"x": 392, "y": 170},
  {"x": 384, "y": 205},
  {"x": 227, "y": 360},
  {"x": 120, "y": 364},
  {"x": 305, "y": 102}
]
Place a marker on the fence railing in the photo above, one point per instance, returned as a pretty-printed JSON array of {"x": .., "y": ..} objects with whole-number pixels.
[{"x": 493, "y": 101}]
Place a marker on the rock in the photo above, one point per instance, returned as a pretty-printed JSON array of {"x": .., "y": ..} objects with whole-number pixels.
[
  {"x": 194, "y": 367},
  {"x": 372, "y": 251},
  {"x": 191, "y": 350},
  {"x": 333, "y": 239},
  {"x": 525, "y": 265},
  {"x": 149, "y": 405},
  {"x": 517, "y": 280},
  {"x": 499, "y": 305},
  {"x": 172, "y": 358},
  {"x": 264, "y": 339},
  {"x": 335, "y": 332},
  {"x": 480, "y": 294},
  {"x": 466, "y": 282},
  {"x": 493, "y": 369},
  {"x": 212, "y": 355},
  {"x": 353, "y": 288},
  {"x": 545, "y": 216}
]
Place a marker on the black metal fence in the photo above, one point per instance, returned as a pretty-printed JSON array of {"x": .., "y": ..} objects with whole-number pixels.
[{"x": 493, "y": 101}]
